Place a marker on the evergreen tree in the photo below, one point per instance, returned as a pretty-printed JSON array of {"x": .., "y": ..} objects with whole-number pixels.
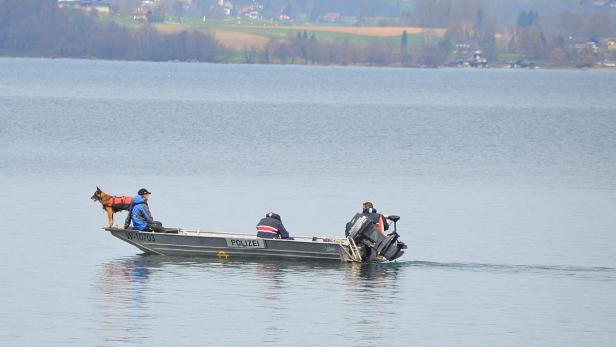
[{"x": 404, "y": 49}]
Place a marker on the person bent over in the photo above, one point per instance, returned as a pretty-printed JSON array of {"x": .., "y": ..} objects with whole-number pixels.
[
  {"x": 271, "y": 227},
  {"x": 376, "y": 218},
  {"x": 140, "y": 215}
]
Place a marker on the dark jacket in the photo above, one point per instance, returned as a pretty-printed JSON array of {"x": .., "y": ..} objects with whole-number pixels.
[
  {"x": 271, "y": 228},
  {"x": 374, "y": 217},
  {"x": 139, "y": 214}
]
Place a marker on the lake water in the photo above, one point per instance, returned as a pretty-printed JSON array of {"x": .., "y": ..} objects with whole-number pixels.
[{"x": 505, "y": 182}]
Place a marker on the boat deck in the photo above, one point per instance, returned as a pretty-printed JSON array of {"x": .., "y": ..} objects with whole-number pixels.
[{"x": 202, "y": 233}]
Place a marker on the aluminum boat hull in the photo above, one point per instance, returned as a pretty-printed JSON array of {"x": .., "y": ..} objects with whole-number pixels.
[{"x": 231, "y": 245}]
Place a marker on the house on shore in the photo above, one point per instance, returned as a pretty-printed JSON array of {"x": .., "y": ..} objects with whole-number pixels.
[
  {"x": 142, "y": 14},
  {"x": 603, "y": 3},
  {"x": 251, "y": 11},
  {"x": 99, "y": 6},
  {"x": 576, "y": 45},
  {"x": 331, "y": 17}
]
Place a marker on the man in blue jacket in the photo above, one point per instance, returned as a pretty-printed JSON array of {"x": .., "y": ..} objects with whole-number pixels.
[
  {"x": 140, "y": 215},
  {"x": 271, "y": 227}
]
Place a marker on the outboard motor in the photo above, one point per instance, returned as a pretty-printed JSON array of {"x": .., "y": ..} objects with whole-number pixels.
[{"x": 363, "y": 231}]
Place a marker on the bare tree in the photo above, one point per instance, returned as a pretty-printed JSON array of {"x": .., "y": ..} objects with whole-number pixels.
[
  {"x": 599, "y": 25},
  {"x": 571, "y": 24}
]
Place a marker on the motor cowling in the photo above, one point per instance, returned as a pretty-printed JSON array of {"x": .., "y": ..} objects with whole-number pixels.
[{"x": 363, "y": 231}]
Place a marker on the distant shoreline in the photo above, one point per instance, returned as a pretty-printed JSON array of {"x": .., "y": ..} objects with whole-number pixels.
[
  {"x": 550, "y": 68},
  {"x": 46, "y": 30}
]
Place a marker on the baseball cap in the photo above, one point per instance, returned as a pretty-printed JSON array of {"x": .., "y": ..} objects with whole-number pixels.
[{"x": 143, "y": 191}]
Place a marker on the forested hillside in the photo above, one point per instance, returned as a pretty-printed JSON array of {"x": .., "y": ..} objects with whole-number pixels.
[{"x": 357, "y": 32}]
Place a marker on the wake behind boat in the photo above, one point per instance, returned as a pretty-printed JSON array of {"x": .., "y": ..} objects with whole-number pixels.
[{"x": 363, "y": 243}]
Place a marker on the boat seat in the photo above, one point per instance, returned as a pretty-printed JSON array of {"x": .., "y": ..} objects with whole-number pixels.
[{"x": 393, "y": 218}]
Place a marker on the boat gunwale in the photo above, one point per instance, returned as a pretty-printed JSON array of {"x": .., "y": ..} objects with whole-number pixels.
[{"x": 224, "y": 235}]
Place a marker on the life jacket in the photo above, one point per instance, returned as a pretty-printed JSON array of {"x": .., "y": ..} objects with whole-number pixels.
[
  {"x": 380, "y": 225},
  {"x": 119, "y": 202}
]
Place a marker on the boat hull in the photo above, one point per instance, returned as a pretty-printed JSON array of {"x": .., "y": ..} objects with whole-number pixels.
[{"x": 228, "y": 246}]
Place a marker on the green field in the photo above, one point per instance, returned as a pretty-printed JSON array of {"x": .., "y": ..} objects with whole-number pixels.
[{"x": 242, "y": 33}]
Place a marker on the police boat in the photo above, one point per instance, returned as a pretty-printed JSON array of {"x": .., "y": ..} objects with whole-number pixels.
[{"x": 363, "y": 243}]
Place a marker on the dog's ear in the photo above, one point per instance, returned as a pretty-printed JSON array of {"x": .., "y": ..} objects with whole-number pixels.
[{"x": 98, "y": 189}]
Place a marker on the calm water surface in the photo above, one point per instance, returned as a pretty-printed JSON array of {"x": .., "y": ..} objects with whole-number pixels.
[{"x": 505, "y": 181}]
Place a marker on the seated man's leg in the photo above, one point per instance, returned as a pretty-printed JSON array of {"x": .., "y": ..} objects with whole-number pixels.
[{"x": 156, "y": 227}]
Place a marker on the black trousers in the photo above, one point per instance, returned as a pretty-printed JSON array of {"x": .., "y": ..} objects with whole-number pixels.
[{"x": 156, "y": 227}]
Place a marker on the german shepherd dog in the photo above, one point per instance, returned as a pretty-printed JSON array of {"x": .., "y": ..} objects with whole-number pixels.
[{"x": 111, "y": 204}]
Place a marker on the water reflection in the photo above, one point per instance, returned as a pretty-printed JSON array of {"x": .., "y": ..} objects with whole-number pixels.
[
  {"x": 123, "y": 283},
  {"x": 365, "y": 305},
  {"x": 262, "y": 293},
  {"x": 376, "y": 275},
  {"x": 373, "y": 293},
  {"x": 272, "y": 275}
]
